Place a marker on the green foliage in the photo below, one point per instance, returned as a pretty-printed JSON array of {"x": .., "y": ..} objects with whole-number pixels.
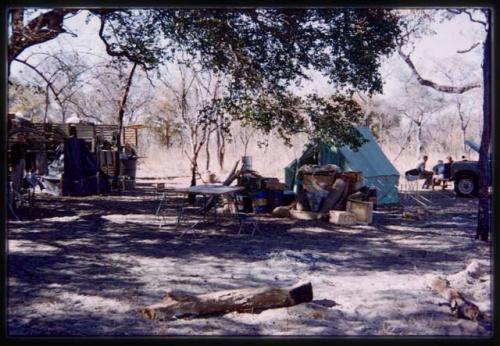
[
  {"x": 263, "y": 52},
  {"x": 269, "y": 48},
  {"x": 334, "y": 119}
]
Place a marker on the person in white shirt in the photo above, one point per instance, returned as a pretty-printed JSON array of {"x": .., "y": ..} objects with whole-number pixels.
[{"x": 425, "y": 174}]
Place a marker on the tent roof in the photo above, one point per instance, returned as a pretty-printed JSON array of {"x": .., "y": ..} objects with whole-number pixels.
[{"x": 370, "y": 159}]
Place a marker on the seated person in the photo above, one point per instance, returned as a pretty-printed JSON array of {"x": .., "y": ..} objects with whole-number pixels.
[
  {"x": 438, "y": 171},
  {"x": 423, "y": 173}
]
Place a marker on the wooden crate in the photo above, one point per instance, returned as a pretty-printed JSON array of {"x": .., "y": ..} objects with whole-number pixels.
[
  {"x": 362, "y": 210},
  {"x": 339, "y": 217}
]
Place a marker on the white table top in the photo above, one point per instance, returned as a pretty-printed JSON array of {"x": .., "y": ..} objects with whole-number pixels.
[{"x": 209, "y": 189}]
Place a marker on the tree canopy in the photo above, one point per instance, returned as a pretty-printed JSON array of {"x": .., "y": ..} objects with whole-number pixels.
[{"x": 263, "y": 53}]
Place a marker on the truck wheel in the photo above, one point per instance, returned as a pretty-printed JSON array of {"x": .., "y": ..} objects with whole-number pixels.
[{"x": 466, "y": 186}]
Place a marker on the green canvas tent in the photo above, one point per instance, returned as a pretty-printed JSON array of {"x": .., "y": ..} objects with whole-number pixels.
[{"x": 377, "y": 170}]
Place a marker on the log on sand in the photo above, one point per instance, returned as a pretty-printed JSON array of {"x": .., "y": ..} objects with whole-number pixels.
[
  {"x": 182, "y": 304},
  {"x": 459, "y": 305}
]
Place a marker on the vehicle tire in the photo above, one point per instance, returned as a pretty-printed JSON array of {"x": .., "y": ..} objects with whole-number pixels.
[{"x": 466, "y": 186}]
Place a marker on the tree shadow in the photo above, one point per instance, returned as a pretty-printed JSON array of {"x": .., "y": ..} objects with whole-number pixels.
[{"x": 91, "y": 244}]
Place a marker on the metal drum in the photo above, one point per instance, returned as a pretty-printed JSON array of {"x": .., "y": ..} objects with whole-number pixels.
[
  {"x": 128, "y": 167},
  {"x": 246, "y": 163},
  {"x": 275, "y": 199},
  {"x": 260, "y": 203}
]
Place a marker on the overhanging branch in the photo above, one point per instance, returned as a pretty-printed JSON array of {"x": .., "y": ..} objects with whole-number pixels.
[
  {"x": 42, "y": 28},
  {"x": 468, "y": 50},
  {"x": 443, "y": 88}
]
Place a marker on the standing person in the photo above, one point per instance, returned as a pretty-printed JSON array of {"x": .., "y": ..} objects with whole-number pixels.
[
  {"x": 30, "y": 156},
  {"x": 427, "y": 175},
  {"x": 129, "y": 151},
  {"x": 18, "y": 161}
]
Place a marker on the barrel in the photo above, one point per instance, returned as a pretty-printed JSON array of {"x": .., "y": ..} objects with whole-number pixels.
[
  {"x": 372, "y": 196},
  {"x": 127, "y": 170},
  {"x": 246, "y": 163},
  {"x": 128, "y": 167},
  {"x": 244, "y": 203},
  {"x": 276, "y": 198},
  {"x": 260, "y": 203}
]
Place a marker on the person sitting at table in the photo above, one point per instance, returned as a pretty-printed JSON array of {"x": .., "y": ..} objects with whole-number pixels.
[
  {"x": 438, "y": 171},
  {"x": 423, "y": 173}
]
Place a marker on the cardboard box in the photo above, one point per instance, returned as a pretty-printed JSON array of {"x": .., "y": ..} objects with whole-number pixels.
[
  {"x": 362, "y": 210},
  {"x": 342, "y": 217}
]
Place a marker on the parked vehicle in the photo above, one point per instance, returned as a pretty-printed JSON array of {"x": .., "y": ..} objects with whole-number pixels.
[{"x": 465, "y": 174}]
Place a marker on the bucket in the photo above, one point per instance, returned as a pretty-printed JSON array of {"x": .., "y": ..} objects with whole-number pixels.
[
  {"x": 244, "y": 203},
  {"x": 372, "y": 196},
  {"x": 275, "y": 199},
  {"x": 260, "y": 204},
  {"x": 246, "y": 163}
]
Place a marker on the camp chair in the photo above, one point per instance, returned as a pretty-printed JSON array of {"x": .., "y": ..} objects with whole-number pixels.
[
  {"x": 230, "y": 211},
  {"x": 167, "y": 201},
  {"x": 411, "y": 190},
  {"x": 411, "y": 178},
  {"x": 248, "y": 219}
]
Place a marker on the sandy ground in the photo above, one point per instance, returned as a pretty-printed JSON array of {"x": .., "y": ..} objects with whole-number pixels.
[{"x": 86, "y": 266}]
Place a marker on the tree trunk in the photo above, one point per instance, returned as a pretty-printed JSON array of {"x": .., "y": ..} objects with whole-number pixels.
[
  {"x": 221, "y": 148},
  {"x": 194, "y": 170},
  {"x": 121, "y": 114},
  {"x": 483, "y": 222},
  {"x": 167, "y": 135},
  {"x": 463, "y": 139},
  {"x": 207, "y": 148},
  {"x": 46, "y": 104},
  {"x": 419, "y": 141},
  {"x": 182, "y": 304}
]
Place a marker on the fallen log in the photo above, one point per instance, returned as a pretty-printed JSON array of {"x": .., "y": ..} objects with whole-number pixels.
[
  {"x": 459, "y": 305},
  {"x": 182, "y": 304}
]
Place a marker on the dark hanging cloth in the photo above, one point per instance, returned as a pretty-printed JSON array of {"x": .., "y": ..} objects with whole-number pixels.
[
  {"x": 30, "y": 155},
  {"x": 18, "y": 152},
  {"x": 80, "y": 170}
]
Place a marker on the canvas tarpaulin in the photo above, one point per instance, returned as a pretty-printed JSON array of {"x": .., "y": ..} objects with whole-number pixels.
[{"x": 80, "y": 176}]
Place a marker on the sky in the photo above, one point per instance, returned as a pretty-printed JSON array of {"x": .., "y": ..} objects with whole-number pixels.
[{"x": 431, "y": 55}]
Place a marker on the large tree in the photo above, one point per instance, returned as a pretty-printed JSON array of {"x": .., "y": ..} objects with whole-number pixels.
[
  {"x": 481, "y": 17},
  {"x": 262, "y": 52}
]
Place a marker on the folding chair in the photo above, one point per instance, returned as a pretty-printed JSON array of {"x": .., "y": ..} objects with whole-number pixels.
[
  {"x": 249, "y": 219},
  {"x": 413, "y": 192},
  {"x": 165, "y": 202}
]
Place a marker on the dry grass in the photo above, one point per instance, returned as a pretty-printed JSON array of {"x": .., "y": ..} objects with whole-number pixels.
[{"x": 269, "y": 161}]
